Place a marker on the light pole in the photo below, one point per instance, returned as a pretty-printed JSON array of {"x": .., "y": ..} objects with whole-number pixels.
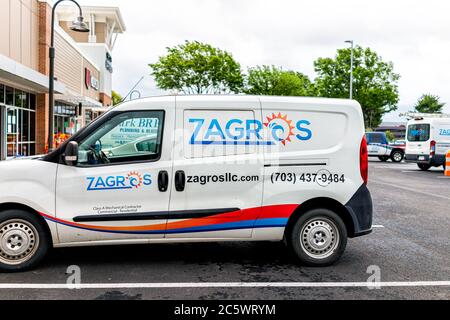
[
  {"x": 351, "y": 68},
  {"x": 79, "y": 26}
]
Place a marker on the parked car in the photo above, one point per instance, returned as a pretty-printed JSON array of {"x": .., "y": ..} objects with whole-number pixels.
[{"x": 378, "y": 146}]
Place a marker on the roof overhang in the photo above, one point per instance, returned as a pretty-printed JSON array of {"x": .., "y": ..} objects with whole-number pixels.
[
  {"x": 75, "y": 99},
  {"x": 17, "y": 74}
]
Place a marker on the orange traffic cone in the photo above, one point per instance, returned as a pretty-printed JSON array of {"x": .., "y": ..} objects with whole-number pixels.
[{"x": 447, "y": 165}]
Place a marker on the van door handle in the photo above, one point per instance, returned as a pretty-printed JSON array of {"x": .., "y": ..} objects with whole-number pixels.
[
  {"x": 180, "y": 181},
  {"x": 163, "y": 181}
]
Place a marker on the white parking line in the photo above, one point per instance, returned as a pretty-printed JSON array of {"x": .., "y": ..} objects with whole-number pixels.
[
  {"x": 377, "y": 226},
  {"x": 410, "y": 189},
  {"x": 228, "y": 285}
]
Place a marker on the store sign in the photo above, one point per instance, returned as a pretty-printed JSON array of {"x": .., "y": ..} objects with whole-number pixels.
[
  {"x": 108, "y": 63},
  {"x": 90, "y": 81}
]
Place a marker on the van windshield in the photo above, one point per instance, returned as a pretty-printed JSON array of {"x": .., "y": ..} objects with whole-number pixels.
[{"x": 418, "y": 132}]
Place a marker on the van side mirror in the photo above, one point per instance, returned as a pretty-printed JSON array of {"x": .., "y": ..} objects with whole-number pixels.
[{"x": 71, "y": 153}]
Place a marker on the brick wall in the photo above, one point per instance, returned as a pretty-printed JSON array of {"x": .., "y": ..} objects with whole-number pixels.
[
  {"x": 41, "y": 122},
  {"x": 43, "y": 67},
  {"x": 105, "y": 99},
  {"x": 44, "y": 37}
]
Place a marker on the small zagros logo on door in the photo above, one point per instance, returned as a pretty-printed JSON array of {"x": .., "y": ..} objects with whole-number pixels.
[{"x": 133, "y": 180}]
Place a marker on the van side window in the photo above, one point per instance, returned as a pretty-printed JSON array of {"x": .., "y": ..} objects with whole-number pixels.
[
  {"x": 376, "y": 138},
  {"x": 127, "y": 137}
]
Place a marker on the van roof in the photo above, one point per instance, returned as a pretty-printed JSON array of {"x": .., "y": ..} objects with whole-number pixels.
[{"x": 236, "y": 98}]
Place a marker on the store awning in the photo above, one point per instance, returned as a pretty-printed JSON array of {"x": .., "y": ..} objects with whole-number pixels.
[
  {"x": 72, "y": 98},
  {"x": 15, "y": 73}
]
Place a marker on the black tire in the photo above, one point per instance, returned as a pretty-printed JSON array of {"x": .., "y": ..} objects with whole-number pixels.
[
  {"x": 397, "y": 156},
  {"x": 29, "y": 237},
  {"x": 316, "y": 221},
  {"x": 383, "y": 158},
  {"x": 424, "y": 167}
]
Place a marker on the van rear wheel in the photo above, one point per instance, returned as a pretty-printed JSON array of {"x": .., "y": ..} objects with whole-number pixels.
[
  {"x": 24, "y": 241},
  {"x": 424, "y": 167},
  {"x": 319, "y": 238}
]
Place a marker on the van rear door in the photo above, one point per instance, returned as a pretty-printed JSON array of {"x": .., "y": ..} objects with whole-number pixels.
[{"x": 418, "y": 140}]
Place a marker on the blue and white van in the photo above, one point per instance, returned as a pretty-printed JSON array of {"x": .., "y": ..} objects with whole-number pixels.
[{"x": 428, "y": 140}]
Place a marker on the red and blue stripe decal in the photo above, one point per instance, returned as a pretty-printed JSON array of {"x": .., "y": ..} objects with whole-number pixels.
[{"x": 262, "y": 217}]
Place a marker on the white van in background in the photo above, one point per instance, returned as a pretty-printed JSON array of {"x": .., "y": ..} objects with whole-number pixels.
[
  {"x": 428, "y": 140},
  {"x": 195, "y": 168}
]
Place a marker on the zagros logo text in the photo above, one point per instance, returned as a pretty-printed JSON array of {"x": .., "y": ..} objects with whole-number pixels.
[
  {"x": 280, "y": 130},
  {"x": 133, "y": 180}
]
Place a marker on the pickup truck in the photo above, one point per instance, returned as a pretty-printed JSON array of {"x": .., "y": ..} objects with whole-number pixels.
[{"x": 378, "y": 146}]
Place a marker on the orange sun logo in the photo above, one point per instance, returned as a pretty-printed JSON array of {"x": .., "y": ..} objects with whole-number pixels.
[
  {"x": 282, "y": 128},
  {"x": 135, "y": 179}
]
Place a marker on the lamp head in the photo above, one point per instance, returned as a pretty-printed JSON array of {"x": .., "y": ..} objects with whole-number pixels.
[{"x": 79, "y": 25}]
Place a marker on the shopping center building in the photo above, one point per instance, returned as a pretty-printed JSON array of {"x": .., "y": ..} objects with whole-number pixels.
[{"x": 83, "y": 72}]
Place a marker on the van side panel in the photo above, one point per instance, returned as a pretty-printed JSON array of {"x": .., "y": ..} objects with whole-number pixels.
[
  {"x": 441, "y": 132},
  {"x": 315, "y": 153}
]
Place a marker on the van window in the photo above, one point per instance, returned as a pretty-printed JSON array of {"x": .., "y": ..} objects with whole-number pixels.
[
  {"x": 126, "y": 137},
  {"x": 418, "y": 132},
  {"x": 375, "y": 138}
]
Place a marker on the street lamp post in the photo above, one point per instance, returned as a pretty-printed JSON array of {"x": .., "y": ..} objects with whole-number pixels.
[
  {"x": 79, "y": 26},
  {"x": 351, "y": 68}
]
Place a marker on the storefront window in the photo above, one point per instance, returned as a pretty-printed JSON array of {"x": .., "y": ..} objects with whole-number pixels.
[
  {"x": 88, "y": 117},
  {"x": 2, "y": 94},
  {"x": 20, "y": 122},
  {"x": 65, "y": 122},
  {"x": 9, "y": 96}
]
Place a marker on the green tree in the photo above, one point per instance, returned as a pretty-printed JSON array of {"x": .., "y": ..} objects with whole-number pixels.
[
  {"x": 429, "y": 103},
  {"x": 272, "y": 81},
  {"x": 390, "y": 136},
  {"x": 198, "y": 68},
  {"x": 375, "y": 84},
  {"x": 116, "y": 98}
]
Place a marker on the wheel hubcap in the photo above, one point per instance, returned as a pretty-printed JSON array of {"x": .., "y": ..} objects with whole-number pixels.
[
  {"x": 19, "y": 241},
  {"x": 319, "y": 238},
  {"x": 397, "y": 157}
]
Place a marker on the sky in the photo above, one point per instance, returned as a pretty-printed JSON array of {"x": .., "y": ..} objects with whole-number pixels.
[{"x": 414, "y": 35}]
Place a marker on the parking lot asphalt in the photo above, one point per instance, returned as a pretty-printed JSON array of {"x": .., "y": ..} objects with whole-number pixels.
[{"x": 411, "y": 243}]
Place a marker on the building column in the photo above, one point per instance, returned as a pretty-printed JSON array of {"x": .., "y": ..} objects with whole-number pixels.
[
  {"x": 42, "y": 105},
  {"x": 41, "y": 123}
]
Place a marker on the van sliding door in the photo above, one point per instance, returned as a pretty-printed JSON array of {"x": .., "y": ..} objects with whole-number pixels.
[{"x": 217, "y": 190}]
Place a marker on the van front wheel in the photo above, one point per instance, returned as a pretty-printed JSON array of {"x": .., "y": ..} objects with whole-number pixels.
[
  {"x": 319, "y": 238},
  {"x": 24, "y": 241}
]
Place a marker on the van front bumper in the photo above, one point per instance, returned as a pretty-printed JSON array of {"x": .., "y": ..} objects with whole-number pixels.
[{"x": 360, "y": 208}]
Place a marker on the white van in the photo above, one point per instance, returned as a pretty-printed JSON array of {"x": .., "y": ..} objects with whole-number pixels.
[
  {"x": 195, "y": 168},
  {"x": 428, "y": 141}
]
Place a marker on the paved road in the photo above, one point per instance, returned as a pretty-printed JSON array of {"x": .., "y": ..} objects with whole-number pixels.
[{"x": 413, "y": 245}]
